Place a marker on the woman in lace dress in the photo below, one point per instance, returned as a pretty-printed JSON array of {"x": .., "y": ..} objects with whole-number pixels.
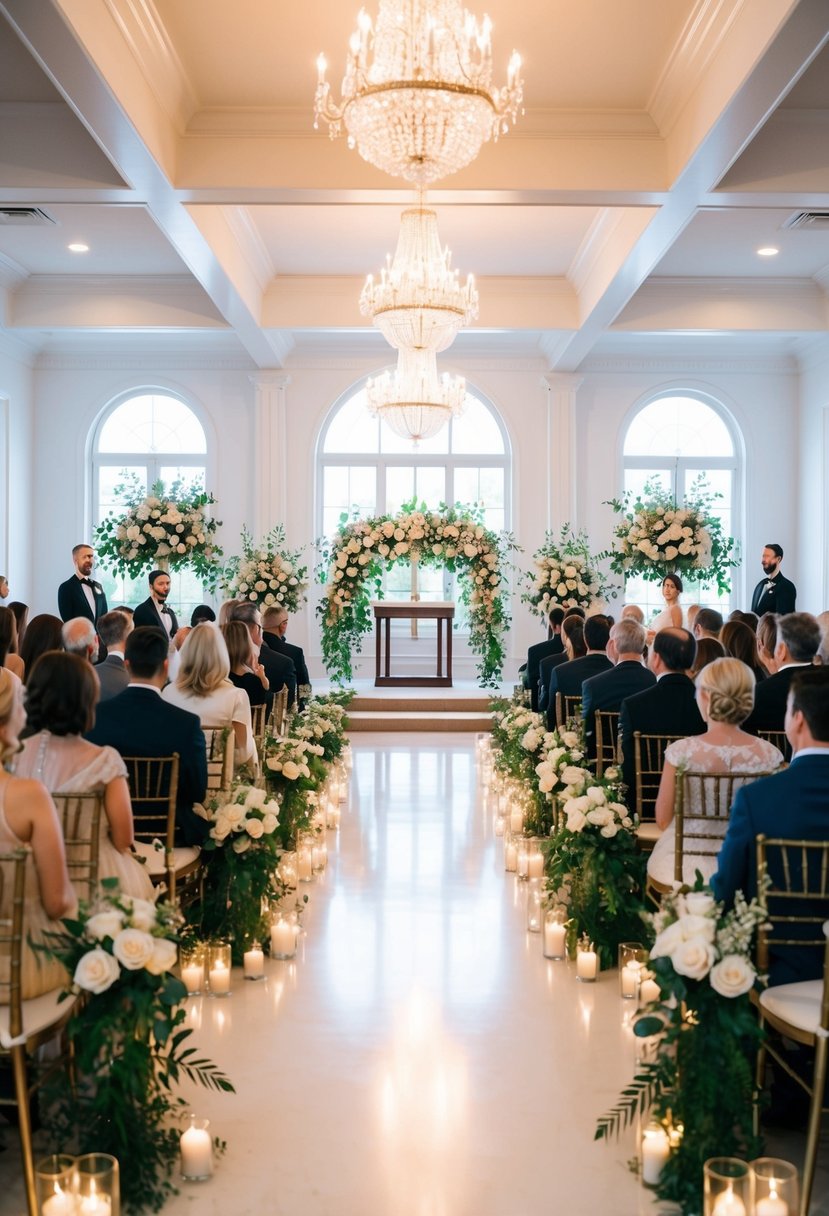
[
  {"x": 28, "y": 817},
  {"x": 672, "y": 613},
  {"x": 60, "y": 700},
  {"x": 725, "y": 696}
]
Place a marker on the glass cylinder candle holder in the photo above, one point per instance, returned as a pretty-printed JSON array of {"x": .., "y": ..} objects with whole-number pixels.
[
  {"x": 727, "y": 1187},
  {"x": 254, "y": 962},
  {"x": 218, "y": 969},
  {"x": 97, "y": 1185},
  {"x": 499, "y": 824},
  {"x": 319, "y": 855},
  {"x": 305, "y": 858},
  {"x": 191, "y": 961},
  {"x": 776, "y": 1187},
  {"x": 535, "y": 906},
  {"x": 287, "y": 870},
  {"x": 656, "y": 1149},
  {"x": 554, "y": 939},
  {"x": 632, "y": 958},
  {"x": 535, "y": 857},
  {"x": 510, "y": 851},
  {"x": 516, "y": 817},
  {"x": 522, "y": 858},
  {"x": 283, "y": 937},
  {"x": 587, "y": 961},
  {"x": 196, "y": 1147},
  {"x": 55, "y": 1185}
]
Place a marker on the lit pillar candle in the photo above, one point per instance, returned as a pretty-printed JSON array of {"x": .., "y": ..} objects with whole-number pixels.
[
  {"x": 630, "y": 976},
  {"x": 59, "y": 1204},
  {"x": 729, "y": 1204},
  {"x": 648, "y": 990},
  {"x": 535, "y": 865},
  {"x": 220, "y": 978},
  {"x": 304, "y": 864},
  {"x": 510, "y": 856},
  {"x": 196, "y": 1154},
  {"x": 283, "y": 939},
  {"x": 522, "y": 860},
  {"x": 771, "y": 1205},
  {"x": 656, "y": 1148},
  {"x": 254, "y": 962},
  {"x": 587, "y": 964},
  {"x": 555, "y": 937},
  {"x": 192, "y": 976},
  {"x": 516, "y": 819},
  {"x": 95, "y": 1204}
]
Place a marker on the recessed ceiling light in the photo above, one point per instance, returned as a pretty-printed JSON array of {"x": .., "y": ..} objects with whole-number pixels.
[
  {"x": 768, "y": 251},
  {"x": 78, "y": 247}
]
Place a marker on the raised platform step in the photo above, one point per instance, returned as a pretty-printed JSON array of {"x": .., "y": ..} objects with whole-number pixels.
[
  {"x": 435, "y": 703},
  {"x": 418, "y": 720}
]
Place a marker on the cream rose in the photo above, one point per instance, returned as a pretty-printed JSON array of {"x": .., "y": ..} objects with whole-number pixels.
[
  {"x": 290, "y": 770},
  {"x": 699, "y": 903},
  {"x": 255, "y": 828},
  {"x": 164, "y": 956},
  {"x": 142, "y": 914},
  {"x": 693, "y": 958},
  {"x": 105, "y": 924},
  {"x": 133, "y": 948},
  {"x": 732, "y": 976},
  {"x": 269, "y": 823},
  {"x": 96, "y": 971}
]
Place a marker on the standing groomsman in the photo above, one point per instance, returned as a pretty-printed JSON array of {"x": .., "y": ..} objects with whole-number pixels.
[
  {"x": 81, "y": 595},
  {"x": 774, "y": 593},
  {"x": 154, "y": 611}
]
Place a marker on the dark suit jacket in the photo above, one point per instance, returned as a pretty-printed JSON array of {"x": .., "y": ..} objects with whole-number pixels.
[
  {"x": 280, "y": 671},
  {"x": 545, "y": 667},
  {"x": 608, "y": 690},
  {"x": 669, "y": 708},
  {"x": 780, "y": 598},
  {"x": 72, "y": 601},
  {"x": 770, "y": 699},
  {"x": 295, "y": 653},
  {"x": 148, "y": 614},
  {"x": 113, "y": 677},
  {"x": 535, "y": 654},
  {"x": 793, "y": 804},
  {"x": 138, "y": 723},
  {"x": 567, "y": 678}
]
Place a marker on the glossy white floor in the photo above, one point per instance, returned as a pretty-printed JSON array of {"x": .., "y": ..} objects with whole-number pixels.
[{"x": 420, "y": 1058}]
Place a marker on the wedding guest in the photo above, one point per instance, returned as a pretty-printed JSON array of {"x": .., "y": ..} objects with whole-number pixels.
[
  {"x": 671, "y": 614},
  {"x": 707, "y": 624},
  {"x": 767, "y": 641},
  {"x": 21, "y": 616},
  {"x": 634, "y": 613},
  {"x": 740, "y": 643},
  {"x": 227, "y": 608},
  {"x": 80, "y": 637},
  {"x": 541, "y": 650},
  {"x": 201, "y": 613},
  {"x": 774, "y": 593},
  {"x": 691, "y": 613},
  {"x": 708, "y": 649},
  {"x": 572, "y": 633},
  {"x": 4, "y": 587},
  {"x": 113, "y": 629},
  {"x": 274, "y": 628},
  {"x": 9, "y": 658},
  {"x": 44, "y": 632},
  {"x": 569, "y": 677},
  {"x": 246, "y": 672},
  {"x": 81, "y": 595},
  {"x": 203, "y": 687},
  {"x": 725, "y": 697},
  {"x": 154, "y": 611},
  {"x": 629, "y": 675},
  {"x": 28, "y": 818},
  {"x": 279, "y": 668},
  {"x": 823, "y": 652},
  {"x": 751, "y": 619},
  {"x": 798, "y": 640}
]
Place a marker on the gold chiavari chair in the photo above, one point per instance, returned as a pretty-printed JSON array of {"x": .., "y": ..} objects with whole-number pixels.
[
  {"x": 279, "y": 713},
  {"x": 80, "y": 819},
  {"x": 779, "y": 740},
  {"x": 607, "y": 739},
  {"x": 25, "y": 1025},
  {"x": 153, "y": 782},
  {"x": 220, "y": 743},
  {"x": 567, "y": 708},
  {"x": 797, "y": 904},
  {"x": 258, "y": 719},
  {"x": 648, "y": 758}
]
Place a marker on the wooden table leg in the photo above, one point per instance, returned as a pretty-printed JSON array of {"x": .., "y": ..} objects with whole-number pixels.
[
  {"x": 388, "y": 646},
  {"x": 449, "y": 649},
  {"x": 377, "y": 632},
  {"x": 439, "y": 671}
]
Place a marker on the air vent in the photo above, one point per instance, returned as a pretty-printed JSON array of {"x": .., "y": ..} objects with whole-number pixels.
[
  {"x": 25, "y": 216},
  {"x": 808, "y": 219}
]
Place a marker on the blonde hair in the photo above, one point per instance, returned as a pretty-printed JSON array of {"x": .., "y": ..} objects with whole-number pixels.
[
  {"x": 226, "y": 609},
  {"x": 204, "y": 661},
  {"x": 730, "y": 687},
  {"x": 9, "y": 692}
]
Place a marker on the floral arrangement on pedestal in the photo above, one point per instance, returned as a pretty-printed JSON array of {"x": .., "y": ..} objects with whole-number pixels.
[
  {"x": 700, "y": 1083},
  {"x": 171, "y": 530},
  {"x": 566, "y": 574},
  {"x": 129, "y": 1041},
  {"x": 353, "y": 560},
  {"x": 657, "y": 536},
  {"x": 269, "y": 573}
]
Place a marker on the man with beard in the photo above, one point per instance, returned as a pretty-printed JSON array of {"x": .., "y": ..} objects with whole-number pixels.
[
  {"x": 774, "y": 593},
  {"x": 154, "y": 611}
]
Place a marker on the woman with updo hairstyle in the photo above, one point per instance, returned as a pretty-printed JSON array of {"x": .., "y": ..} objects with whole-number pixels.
[
  {"x": 740, "y": 642},
  {"x": 767, "y": 641},
  {"x": 725, "y": 697},
  {"x": 28, "y": 818}
]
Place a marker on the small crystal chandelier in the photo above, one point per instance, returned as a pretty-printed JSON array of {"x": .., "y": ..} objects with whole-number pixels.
[
  {"x": 417, "y": 98},
  {"x": 414, "y": 400},
  {"x": 419, "y": 302}
]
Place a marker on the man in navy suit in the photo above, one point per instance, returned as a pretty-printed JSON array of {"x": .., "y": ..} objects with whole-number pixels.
[
  {"x": 798, "y": 641},
  {"x": 567, "y": 678},
  {"x": 81, "y": 595},
  {"x": 610, "y": 688},
  {"x": 274, "y": 628},
  {"x": 794, "y": 805},
  {"x": 139, "y": 723},
  {"x": 542, "y": 650},
  {"x": 154, "y": 610},
  {"x": 572, "y": 631},
  {"x": 774, "y": 593}
]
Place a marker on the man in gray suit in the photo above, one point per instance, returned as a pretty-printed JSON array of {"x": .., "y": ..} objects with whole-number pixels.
[{"x": 113, "y": 629}]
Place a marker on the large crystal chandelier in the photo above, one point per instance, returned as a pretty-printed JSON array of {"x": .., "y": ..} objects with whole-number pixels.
[
  {"x": 417, "y": 98},
  {"x": 414, "y": 400},
  {"x": 419, "y": 302}
]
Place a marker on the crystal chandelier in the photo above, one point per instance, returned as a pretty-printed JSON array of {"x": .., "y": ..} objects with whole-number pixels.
[
  {"x": 417, "y": 98},
  {"x": 419, "y": 302},
  {"x": 414, "y": 400}
]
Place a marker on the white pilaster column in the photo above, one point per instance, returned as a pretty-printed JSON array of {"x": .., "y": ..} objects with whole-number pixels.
[
  {"x": 562, "y": 388},
  {"x": 270, "y": 436}
]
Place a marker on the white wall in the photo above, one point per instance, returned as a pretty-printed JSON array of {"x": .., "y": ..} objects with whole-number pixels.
[
  {"x": 813, "y": 570},
  {"x": 16, "y": 462}
]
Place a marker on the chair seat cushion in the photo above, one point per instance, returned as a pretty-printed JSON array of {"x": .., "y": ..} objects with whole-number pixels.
[
  {"x": 155, "y": 860},
  {"x": 38, "y": 1013},
  {"x": 797, "y": 1004}
]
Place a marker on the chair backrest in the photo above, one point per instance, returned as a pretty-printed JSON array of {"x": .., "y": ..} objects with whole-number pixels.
[
  {"x": 607, "y": 739},
  {"x": 702, "y": 807},
  {"x": 567, "y": 707},
  {"x": 797, "y": 900},
  {"x": 80, "y": 819},
  {"x": 258, "y": 715},
  {"x": 12, "y": 904},
  {"x": 779, "y": 740},
  {"x": 153, "y": 782},
  {"x": 648, "y": 758},
  {"x": 219, "y": 743},
  {"x": 279, "y": 713}
]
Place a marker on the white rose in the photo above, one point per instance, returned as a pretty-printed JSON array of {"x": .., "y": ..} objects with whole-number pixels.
[
  {"x": 142, "y": 914},
  {"x": 105, "y": 924},
  {"x": 699, "y": 903},
  {"x": 234, "y": 814},
  {"x": 571, "y": 775},
  {"x": 600, "y": 817},
  {"x": 693, "y": 958},
  {"x": 133, "y": 948},
  {"x": 96, "y": 971},
  {"x": 575, "y": 819},
  {"x": 255, "y": 828},
  {"x": 667, "y": 941},
  {"x": 255, "y": 797},
  {"x": 164, "y": 956},
  {"x": 697, "y": 926},
  {"x": 609, "y": 830},
  {"x": 732, "y": 975},
  {"x": 290, "y": 770},
  {"x": 221, "y": 828},
  {"x": 596, "y": 795},
  {"x": 269, "y": 823}
]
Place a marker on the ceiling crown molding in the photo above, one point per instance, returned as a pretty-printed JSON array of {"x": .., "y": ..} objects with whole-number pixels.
[
  {"x": 144, "y": 33},
  {"x": 705, "y": 31}
]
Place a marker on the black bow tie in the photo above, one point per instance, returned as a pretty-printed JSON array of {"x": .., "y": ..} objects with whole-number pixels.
[
  {"x": 164, "y": 608},
  {"x": 87, "y": 582}
]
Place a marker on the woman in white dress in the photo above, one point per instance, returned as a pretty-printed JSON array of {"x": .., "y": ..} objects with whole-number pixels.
[
  {"x": 60, "y": 703},
  {"x": 725, "y": 696},
  {"x": 672, "y": 613},
  {"x": 203, "y": 687}
]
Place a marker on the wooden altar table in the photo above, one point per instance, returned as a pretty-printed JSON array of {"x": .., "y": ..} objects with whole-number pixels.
[{"x": 386, "y": 611}]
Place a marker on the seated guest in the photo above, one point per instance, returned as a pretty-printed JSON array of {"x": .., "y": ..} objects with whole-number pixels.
[
  {"x": 9, "y": 658},
  {"x": 541, "y": 650},
  {"x": 80, "y": 638},
  {"x": 725, "y": 696},
  {"x": 740, "y": 642},
  {"x": 44, "y": 632},
  {"x": 21, "y": 616},
  {"x": 246, "y": 672},
  {"x": 669, "y": 708},
  {"x": 113, "y": 630},
  {"x": 28, "y": 818},
  {"x": 274, "y": 628},
  {"x": 226, "y": 609},
  {"x": 60, "y": 705},
  {"x": 707, "y": 624},
  {"x": 202, "y": 686},
  {"x": 791, "y": 804},
  {"x": 629, "y": 675},
  {"x": 751, "y": 619},
  {"x": 4, "y": 587},
  {"x": 823, "y": 653},
  {"x": 200, "y": 614},
  {"x": 634, "y": 613},
  {"x": 567, "y": 678},
  {"x": 767, "y": 641},
  {"x": 572, "y": 632},
  {"x": 279, "y": 669},
  {"x": 798, "y": 640},
  {"x": 691, "y": 614},
  {"x": 139, "y": 723},
  {"x": 708, "y": 649}
]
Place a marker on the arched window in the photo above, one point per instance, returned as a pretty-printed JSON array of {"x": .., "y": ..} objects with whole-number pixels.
[
  {"x": 674, "y": 440},
  {"x": 141, "y": 439},
  {"x": 364, "y": 466}
]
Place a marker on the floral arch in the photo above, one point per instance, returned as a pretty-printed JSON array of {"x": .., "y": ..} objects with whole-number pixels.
[{"x": 352, "y": 564}]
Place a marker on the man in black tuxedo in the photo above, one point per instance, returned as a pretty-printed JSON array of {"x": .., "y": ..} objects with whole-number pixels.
[
  {"x": 113, "y": 630},
  {"x": 572, "y": 632},
  {"x": 774, "y": 593},
  {"x": 81, "y": 595},
  {"x": 610, "y": 688},
  {"x": 274, "y": 628},
  {"x": 670, "y": 707},
  {"x": 139, "y": 723},
  {"x": 567, "y": 678},
  {"x": 279, "y": 668},
  {"x": 154, "y": 611},
  {"x": 542, "y": 650},
  {"x": 798, "y": 641}
]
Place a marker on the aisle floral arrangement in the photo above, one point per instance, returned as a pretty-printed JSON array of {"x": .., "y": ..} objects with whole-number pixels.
[
  {"x": 129, "y": 1041},
  {"x": 699, "y": 1087},
  {"x": 534, "y": 758},
  {"x": 656, "y": 536},
  {"x": 566, "y": 574},
  {"x": 352, "y": 564},
  {"x": 172, "y": 530},
  {"x": 268, "y": 574}
]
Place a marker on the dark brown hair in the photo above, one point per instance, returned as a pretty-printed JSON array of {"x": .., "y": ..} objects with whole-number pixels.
[{"x": 61, "y": 694}]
